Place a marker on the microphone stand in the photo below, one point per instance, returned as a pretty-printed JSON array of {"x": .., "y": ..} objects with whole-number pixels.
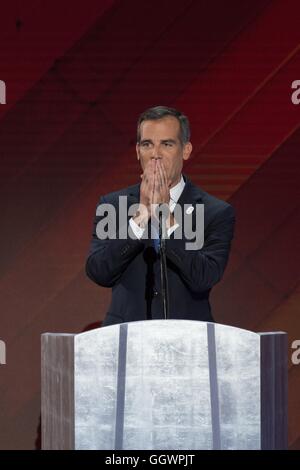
[{"x": 163, "y": 266}]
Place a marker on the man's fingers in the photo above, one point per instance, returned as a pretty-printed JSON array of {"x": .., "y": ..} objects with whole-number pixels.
[
  {"x": 148, "y": 171},
  {"x": 153, "y": 169},
  {"x": 160, "y": 177},
  {"x": 163, "y": 178},
  {"x": 164, "y": 175},
  {"x": 155, "y": 182}
]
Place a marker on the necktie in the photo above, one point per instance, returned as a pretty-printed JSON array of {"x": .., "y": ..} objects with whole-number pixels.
[
  {"x": 154, "y": 228},
  {"x": 156, "y": 244},
  {"x": 155, "y": 238}
]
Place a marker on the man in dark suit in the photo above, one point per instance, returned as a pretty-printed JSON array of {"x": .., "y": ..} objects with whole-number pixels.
[{"x": 131, "y": 265}]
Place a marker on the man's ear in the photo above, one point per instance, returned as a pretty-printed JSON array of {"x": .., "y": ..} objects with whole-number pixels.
[
  {"x": 137, "y": 151},
  {"x": 187, "y": 150}
]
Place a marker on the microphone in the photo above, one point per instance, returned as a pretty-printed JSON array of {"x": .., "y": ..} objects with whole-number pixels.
[{"x": 163, "y": 264}]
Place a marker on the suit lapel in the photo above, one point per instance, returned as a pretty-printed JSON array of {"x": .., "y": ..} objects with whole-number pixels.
[
  {"x": 189, "y": 198},
  {"x": 191, "y": 194},
  {"x": 134, "y": 194}
]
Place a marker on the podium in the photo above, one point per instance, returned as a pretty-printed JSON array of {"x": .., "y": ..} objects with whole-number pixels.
[{"x": 164, "y": 385}]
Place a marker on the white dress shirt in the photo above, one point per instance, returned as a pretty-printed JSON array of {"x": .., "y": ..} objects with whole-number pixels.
[{"x": 175, "y": 194}]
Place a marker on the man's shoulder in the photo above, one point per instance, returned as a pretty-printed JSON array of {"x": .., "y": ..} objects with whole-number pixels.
[
  {"x": 215, "y": 202},
  {"x": 113, "y": 196},
  {"x": 211, "y": 203}
]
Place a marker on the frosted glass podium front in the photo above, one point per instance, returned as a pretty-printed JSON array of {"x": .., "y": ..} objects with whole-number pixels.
[{"x": 164, "y": 385}]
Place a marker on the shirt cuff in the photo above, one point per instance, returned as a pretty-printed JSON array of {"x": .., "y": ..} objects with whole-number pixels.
[
  {"x": 138, "y": 231},
  {"x": 171, "y": 229}
]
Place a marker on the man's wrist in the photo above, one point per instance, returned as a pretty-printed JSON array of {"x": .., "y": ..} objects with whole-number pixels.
[
  {"x": 171, "y": 221},
  {"x": 141, "y": 218}
]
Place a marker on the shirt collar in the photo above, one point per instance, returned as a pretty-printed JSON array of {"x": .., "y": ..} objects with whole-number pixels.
[{"x": 176, "y": 191}]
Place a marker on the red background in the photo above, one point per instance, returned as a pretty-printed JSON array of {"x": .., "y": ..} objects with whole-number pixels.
[{"x": 77, "y": 76}]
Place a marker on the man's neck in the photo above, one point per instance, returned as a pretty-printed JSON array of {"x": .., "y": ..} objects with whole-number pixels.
[{"x": 176, "y": 182}]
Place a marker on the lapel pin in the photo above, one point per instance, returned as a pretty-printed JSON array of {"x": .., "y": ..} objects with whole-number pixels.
[{"x": 189, "y": 210}]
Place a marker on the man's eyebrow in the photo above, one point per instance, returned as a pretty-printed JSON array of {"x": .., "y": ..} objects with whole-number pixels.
[
  {"x": 173, "y": 141},
  {"x": 163, "y": 141}
]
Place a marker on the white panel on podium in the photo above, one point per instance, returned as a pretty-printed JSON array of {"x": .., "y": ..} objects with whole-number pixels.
[{"x": 170, "y": 385}]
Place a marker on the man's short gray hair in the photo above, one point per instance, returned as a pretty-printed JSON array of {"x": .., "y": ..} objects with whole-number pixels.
[{"x": 159, "y": 112}]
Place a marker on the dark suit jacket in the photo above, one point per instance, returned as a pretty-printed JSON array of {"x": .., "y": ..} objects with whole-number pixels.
[{"x": 132, "y": 268}]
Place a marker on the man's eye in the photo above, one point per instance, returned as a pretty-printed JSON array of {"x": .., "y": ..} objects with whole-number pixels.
[
  {"x": 168, "y": 144},
  {"x": 145, "y": 144}
]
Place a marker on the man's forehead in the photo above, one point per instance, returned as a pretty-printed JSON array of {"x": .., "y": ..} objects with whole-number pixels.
[{"x": 167, "y": 126}]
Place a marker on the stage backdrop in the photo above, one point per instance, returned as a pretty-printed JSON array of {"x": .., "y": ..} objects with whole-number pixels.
[{"x": 77, "y": 75}]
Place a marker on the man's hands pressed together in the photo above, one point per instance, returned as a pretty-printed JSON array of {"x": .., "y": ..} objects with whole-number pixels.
[{"x": 154, "y": 190}]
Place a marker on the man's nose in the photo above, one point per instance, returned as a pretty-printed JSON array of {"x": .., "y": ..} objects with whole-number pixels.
[{"x": 156, "y": 153}]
